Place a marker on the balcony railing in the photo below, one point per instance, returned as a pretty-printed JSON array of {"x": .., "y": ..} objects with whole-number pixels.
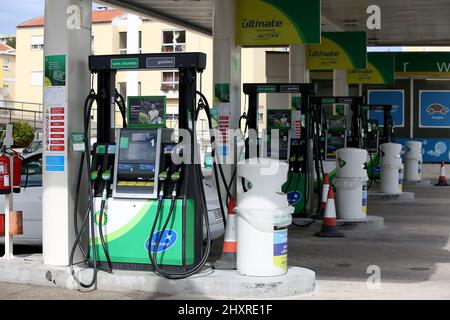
[{"x": 13, "y": 111}]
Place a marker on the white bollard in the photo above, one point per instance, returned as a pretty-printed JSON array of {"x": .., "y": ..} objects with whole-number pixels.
[
  {"x": 350, "y": 182},
  {"x": 263, "y": 217},
  {"x": 413, "y": 160},
  {"x": 391, "y": 168}
]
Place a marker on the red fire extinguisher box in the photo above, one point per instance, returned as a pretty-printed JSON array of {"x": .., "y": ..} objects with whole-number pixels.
[
  {"x": 17, "y": 173},
  {"x": 2, "y": 225}
]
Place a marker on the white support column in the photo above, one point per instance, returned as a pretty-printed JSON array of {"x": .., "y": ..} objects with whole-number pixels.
[
  {"x": 411, "y": 108},
  {"x": 340, "y": 89},
  {"x": 132, "y": 47},
  {"x": 9, "y": 203},
  {"x": 227, "y": 68},
  {"x": 67, "y": 33},
  {"x": 340, "y": 85},
  {"x": 297, "y": 64}
]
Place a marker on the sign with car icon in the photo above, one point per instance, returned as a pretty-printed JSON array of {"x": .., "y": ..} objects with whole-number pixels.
[{"x": 434, "y": 109}]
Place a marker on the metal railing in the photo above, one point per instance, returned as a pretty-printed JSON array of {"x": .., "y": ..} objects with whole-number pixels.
[{"x": 13, "y": 111}]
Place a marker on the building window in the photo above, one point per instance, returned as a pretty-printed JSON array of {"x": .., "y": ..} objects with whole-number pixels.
[
  {"x": 36, "y": 78},
  {"x": 261, "y": 118},
  {"x": 140, "y": 41},
  {"x": 171, "y": 120},
  {"x": 92, "y": 44},
  {"x": 6, "y": 64},
  {"x": 174, "y": 41},
  {"x": 122, "y": 42},
  {"x": 170, "y": 81},
  {"x": 139, "y": 88},
  {"x": 37, "y": 42},
  {"x": 123, "y": 89}
]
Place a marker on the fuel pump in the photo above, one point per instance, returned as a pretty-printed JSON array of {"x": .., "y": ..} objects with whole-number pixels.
[
  {"x": 373, "y": 141},
  {"x": 336, "y": 131},
  {"x": 146, "y": 209},
  {"x": 296, "y": 141},
  {"x": 355, "y": 184}
]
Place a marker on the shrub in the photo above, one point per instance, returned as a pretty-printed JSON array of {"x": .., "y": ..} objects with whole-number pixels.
[{"x": 23, "y": 134}]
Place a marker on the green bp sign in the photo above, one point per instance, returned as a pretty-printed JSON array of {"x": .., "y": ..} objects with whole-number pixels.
[
  {"x": 380, "y": 70},
  {"x": 277, "y": 22},
  {"x": 422, "y": 63},
  {"x": 338, "y": 50}
]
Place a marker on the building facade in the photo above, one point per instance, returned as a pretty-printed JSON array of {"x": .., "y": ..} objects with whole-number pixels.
[
  {"x": 117, "y": 32},
  {"x": 7, "y": 74}
]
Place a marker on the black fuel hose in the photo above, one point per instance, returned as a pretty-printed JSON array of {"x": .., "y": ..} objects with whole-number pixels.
[
  {"x": 90, "y": 213},
  {"x": 201, "y": 264},
  {"x": 197, "y": 176},
  {"x": 120, "y": 101},
  {"x": 216, "y": 167}
]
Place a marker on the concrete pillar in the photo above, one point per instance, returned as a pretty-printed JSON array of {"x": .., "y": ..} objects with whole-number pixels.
[
  {"x": 297, "y": 64},
  {"x": 67, "y": 33},
  {"x": 133, "y": 22},
  {"x": 227, "y": 71},
  {"x": 340, "y": 85},
  {"x": 411, "y": 106},
  {"x": 340, "y": 89}
]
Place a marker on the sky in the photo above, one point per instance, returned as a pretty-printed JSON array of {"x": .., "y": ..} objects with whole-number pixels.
[{"x": 14, "y": 12}]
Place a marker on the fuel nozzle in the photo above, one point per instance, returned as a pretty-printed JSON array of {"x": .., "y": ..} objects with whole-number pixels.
[
  {"x": 163, "y": 177},
  {"x": 175, "y": 177},
  {"x": 106, "y": 175},
  {"x": 95, "y": 174}
]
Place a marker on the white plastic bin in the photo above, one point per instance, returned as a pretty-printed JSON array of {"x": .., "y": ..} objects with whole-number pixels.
[
  {"x": 413, "y": 160},
  {"x": 263, "y": 217},
  {"x": 391, "y": 168}
]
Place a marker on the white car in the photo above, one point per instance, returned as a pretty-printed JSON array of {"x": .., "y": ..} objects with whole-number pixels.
[{"x": 29, "y": 200}]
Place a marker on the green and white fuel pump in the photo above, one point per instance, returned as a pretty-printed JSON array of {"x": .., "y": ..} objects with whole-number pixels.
[{"x": 147, "y": 204}]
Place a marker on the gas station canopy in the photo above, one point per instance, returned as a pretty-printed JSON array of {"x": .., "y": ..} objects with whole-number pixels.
[{"x": 404, "y": 23}]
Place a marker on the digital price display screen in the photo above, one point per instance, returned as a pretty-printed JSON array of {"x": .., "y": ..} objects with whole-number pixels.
[{"x": 137, "y": 156}]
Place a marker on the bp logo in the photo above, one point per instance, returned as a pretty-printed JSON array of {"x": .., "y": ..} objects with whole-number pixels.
[
  {"x": 168, "y": 239},
  {"x": 294, "y": 197},
  {"x": 104, "y": 218},
  {"x": 342, "y": 163}
]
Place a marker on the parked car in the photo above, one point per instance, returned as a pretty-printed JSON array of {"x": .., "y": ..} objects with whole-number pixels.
[
  {"x": 35, "y": 145},
  {"x": 29, "y": 200}
]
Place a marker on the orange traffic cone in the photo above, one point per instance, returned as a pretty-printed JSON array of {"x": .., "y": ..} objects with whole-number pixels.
[
  {"x": 326, "y": 187},
  {"x": 442, "y": 177},
  {"x": 329, "y": 225},
  {"x": 228, "y": 259}
]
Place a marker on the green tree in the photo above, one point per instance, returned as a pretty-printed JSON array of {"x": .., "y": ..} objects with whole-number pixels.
[
  {"x": 11, "y": 42},
  {"x": 23, "y": 134}
]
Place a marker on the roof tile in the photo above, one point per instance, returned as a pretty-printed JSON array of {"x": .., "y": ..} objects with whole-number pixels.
[{"x": 98, "y": 16}]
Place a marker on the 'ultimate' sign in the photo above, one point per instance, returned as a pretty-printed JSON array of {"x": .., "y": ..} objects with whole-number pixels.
[
  {"x": 277, "y": 22},
  {"x": 338, "y": 50}
]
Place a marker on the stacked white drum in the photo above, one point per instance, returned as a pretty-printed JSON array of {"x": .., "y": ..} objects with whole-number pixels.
[
  {"x": 351, "y": 178},
  {"x": 391, "y": 168},
  {"x": 263, "y": 217},
  {"x": 413, "y": 161}
]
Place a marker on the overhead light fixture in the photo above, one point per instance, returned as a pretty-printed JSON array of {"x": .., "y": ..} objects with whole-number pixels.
[
  {"x": 406, "y": 11},
  {"x": 438, "y": 79}
]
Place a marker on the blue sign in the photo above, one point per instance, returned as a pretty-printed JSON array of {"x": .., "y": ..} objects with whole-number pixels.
[
  {"x": 54, "y": 163},
  {"x": 396, "y": 98},
  {"x": 168, "y": 239},
  {"x": 294, "y": 197},
  {"x": 433, "y": 150},
  {"x": 434, "y": 109}
]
